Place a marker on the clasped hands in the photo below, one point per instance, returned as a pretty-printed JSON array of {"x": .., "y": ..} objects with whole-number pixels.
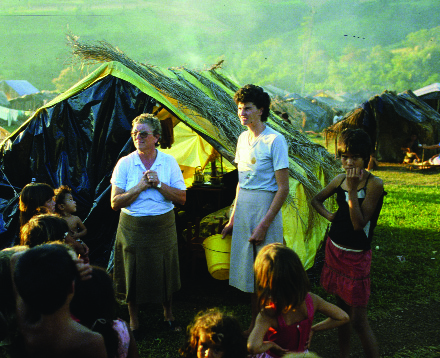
[{"x": 150, "y": 179}]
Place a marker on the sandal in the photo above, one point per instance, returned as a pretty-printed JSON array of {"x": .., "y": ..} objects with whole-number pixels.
[{"x": 172, "y": 326}]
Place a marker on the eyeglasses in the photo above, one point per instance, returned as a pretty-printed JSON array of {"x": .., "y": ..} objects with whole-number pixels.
[{"x": 142, "y": 134}]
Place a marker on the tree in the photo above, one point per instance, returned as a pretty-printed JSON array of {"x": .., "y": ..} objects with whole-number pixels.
[{"x": 67, "y": 78}]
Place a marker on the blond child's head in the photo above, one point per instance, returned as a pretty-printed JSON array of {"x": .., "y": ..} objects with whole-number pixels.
[
  {"x": 280, "y": 277},
  {"x": 215, "y": 331}
]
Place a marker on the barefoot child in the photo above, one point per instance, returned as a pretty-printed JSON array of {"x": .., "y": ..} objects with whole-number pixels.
[
  {"x": 284, "y": 323},
  {"x": 346, "y": 271},
  {"x": 65, "y": 206}
]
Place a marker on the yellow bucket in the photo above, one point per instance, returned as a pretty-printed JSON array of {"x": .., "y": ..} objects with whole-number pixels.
[{"x": 218, "y": 252}]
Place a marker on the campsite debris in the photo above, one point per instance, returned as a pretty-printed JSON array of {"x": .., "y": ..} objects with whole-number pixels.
[{"x": 401, "y": 258}]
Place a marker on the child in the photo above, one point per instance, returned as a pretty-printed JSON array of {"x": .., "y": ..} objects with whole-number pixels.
[
  {"x": 32, "y": 197},
  {"x": 42, "y": 229},
  {"x": 44, "y": 279},
  {"x": 346, "y": 271},
  {"x": 216, "y": 335},
  {"x": 65, "y": 206},
  {"x": 284, "y": 323},
  {"x": 94, "y": 306}
]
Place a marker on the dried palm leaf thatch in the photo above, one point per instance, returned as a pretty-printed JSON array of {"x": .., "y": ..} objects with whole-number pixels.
[
  {"x": 352, "y": 119},
  {"x": 212, "y": 100}
]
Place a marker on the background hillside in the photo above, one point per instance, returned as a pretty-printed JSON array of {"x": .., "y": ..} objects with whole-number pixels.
[{"x": 300, "y": 46}]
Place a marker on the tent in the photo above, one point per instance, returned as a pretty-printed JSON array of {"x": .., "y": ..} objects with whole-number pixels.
[
  {"x": 77, "y": 138},
  {"x": 192, "y": 152},
  {"x": 430, "y": 94},
  {"x": 3, "y": 99},
  {"x": 17, "y": 88},
  {"x": 333, "y": 103},
  {"x": 391, "y": 119},
  {"x": 305, "y": 113},
  {"x": 3, "y": 134},
  {"x": 33, "y": 101}
]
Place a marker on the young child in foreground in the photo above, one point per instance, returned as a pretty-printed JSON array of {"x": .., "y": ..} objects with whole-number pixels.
[
  {"x": 44, "y": 279},
  {"x": 65, "y": 206},
  {"x": 216, "y": 335},
  {"x": 94, "y": 305},
  {"x": 284, "y": 323},
  {"x": 346, "y": 271}
]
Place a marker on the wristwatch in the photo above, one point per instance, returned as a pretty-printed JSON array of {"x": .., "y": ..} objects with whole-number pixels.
[{"x": 159, "y": 185}]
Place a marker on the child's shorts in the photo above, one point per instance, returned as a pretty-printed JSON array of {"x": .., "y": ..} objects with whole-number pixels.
[{"x": 346, "y": 274}]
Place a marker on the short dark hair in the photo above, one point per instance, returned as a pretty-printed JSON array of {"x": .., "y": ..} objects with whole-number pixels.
[
  {"x": 280, "y": 277},
  {"x": 43, "y": 277},
  {"x": 357, "y": 142},
  {"x": 43, "y": 228},
  {"x": 255, "y": 95}
]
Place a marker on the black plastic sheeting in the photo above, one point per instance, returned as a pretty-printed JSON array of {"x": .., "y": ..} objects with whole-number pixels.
[{"x": 77, "y": 143}]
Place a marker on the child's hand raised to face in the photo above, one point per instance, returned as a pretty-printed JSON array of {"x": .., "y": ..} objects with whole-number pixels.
[{"x": 354, "y": 177}]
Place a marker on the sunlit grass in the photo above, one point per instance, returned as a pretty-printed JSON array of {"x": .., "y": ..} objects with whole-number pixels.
[{"x": 404, "y": 272}]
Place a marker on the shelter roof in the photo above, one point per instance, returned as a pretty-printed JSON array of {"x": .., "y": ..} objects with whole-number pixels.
[
  {"x": 390, "y": 119},
  {"x": 431, "y": 91},
  {"x": 3, "y": 99},
  {"x": 275, "y": 91},
  {"x": 91, "y": 123},
  {"x": 22, "y": 87}
]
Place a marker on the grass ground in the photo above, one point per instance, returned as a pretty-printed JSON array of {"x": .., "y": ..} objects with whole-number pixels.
[
  {"x": 404, "y": 308},
  {"x": 405, "y": 278}
]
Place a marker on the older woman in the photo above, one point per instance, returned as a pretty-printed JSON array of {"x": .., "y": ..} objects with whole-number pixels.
[
  {"x": 263, "y": 185},
  {"x": 145, "y": 184}
]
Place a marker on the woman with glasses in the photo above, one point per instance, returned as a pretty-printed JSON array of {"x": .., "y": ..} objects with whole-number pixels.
[{"x": 145, "y": 184}]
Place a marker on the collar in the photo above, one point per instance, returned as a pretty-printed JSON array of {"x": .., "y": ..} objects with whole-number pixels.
[{"x": 157, "y": 162}]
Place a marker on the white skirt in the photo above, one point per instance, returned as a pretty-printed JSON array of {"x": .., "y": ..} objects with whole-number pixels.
[{"x": 251, "y": 207}]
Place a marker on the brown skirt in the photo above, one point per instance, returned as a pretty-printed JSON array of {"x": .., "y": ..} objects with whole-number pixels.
[{"x": 146, "y": 258}]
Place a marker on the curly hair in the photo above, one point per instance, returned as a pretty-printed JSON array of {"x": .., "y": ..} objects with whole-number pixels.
[
  {"x": 223, "y": 329},
  {"x": 60, "y": 196},
  {"x": 255, "y": 95},
  {"x": 32, "y": 197},
  {"x": 280, "y": 277},
  {"x": 152, "y": 121},
  {"x": 357, "y": 142}
]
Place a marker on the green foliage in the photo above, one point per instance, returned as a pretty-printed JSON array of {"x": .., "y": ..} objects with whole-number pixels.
[
  {"x": 68, "y": 77},
  {"x": 301, "y": 46}
]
